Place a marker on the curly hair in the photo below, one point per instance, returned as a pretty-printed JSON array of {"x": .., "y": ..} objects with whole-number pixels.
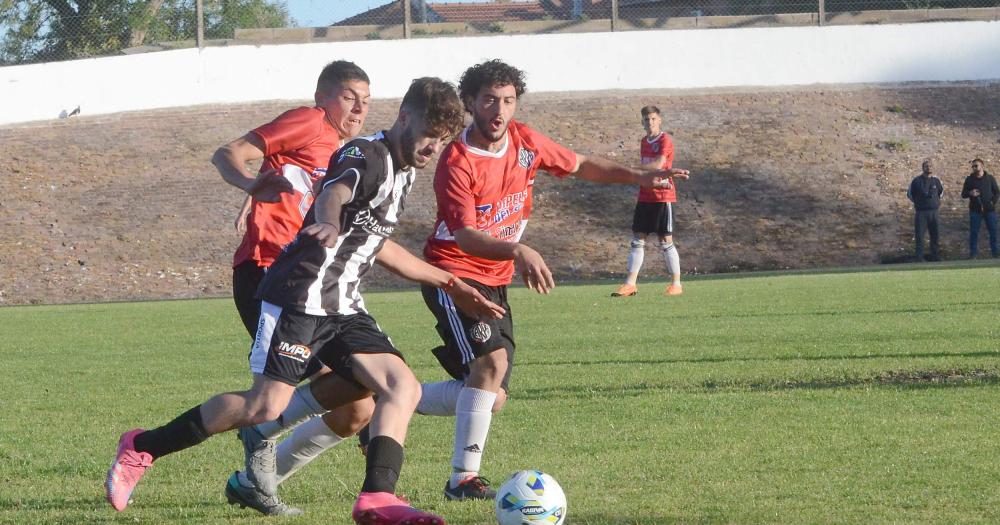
[
  {"x": 435, "y": 100},
  {"x": 490, "y": 73}
]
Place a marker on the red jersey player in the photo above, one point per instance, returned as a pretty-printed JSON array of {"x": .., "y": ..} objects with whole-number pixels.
[
  {"x": 654, "y": 212},
  {"x": 483, "y": 185}
]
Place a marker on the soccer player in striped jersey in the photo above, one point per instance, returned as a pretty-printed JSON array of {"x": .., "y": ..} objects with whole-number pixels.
[
  {"x": 312, "y": 309},
  {"x": 483, "y": 184}
]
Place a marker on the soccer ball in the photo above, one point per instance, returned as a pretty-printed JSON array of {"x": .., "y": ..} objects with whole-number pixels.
[{"x": 530, "y": 497}]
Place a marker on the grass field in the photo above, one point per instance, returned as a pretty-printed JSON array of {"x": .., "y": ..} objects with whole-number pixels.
[{"x": 867, "y": 397}]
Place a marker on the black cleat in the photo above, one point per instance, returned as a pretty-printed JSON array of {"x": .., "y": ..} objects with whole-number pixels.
[{"x": 474, "y": 487}]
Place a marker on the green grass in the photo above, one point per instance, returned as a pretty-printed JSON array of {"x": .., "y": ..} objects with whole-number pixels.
[{"x": 867, "y": 397}]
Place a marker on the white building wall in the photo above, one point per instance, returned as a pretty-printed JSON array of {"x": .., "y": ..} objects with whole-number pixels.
[{"x": 949, "y": 51}]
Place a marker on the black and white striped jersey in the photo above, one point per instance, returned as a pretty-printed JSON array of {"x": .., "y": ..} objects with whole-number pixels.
[{"x": 324, "y": 281}]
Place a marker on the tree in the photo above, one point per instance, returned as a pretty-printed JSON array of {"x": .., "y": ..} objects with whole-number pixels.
[{"x": 49, "y": 30}]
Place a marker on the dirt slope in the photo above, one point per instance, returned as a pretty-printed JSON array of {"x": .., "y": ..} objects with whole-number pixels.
[{"x": 128, "y": 206}]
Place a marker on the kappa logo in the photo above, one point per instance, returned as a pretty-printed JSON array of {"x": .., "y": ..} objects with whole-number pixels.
[
  {"x": 480, "y": 332},
  {"x": 353, "y": 152},
  {"x": 525, "y": 157},
  {"x": 300, "y": 353}
]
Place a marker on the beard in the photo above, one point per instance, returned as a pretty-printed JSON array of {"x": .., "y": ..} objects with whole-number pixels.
[
  {"x": 485, "y": 127},
  {"x": 409, "y": 150}
]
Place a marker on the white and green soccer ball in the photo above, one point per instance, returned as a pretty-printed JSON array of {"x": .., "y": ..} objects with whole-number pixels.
[{"x": 530, "y": 497}]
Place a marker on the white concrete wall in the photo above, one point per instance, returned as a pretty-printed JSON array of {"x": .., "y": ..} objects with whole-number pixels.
[{"x": 949, "y": 51}]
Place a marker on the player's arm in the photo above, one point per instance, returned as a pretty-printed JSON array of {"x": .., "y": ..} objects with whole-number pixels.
[
  {"x": 231, "y": 161},
  {"x": 401, "y": 262},
  {"x": 596, "y": 169},
  {"x": 327, "y": 210},
  {"x": 534, "y": 271}
]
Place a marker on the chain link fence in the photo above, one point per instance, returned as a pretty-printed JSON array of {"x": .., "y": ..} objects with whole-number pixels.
[{"x": 50, "y": 30}]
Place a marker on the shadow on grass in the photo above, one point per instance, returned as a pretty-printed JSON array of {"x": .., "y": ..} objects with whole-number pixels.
[
  {"x": 696, "y": 360},
  {"x": 900, "y": 379}
]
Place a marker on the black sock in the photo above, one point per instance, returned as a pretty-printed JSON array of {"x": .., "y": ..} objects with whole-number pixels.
[
  {"x": 186, "y": 430},
  {"x": 382, "y": 466}
]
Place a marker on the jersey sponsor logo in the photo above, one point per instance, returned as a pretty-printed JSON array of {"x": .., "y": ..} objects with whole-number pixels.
[
  {"x": 369, "y": 223},
  {"x": 353, "y": 152},
  {"x": 300, "y": 353},
  {"x": 525, "y": 157},
  {"x": 480, "y": 332}
]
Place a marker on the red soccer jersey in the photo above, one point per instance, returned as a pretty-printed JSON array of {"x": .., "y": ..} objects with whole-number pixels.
[
  {"x": 649, "y": 149},
  {"x": 299, "y": 144},
  {"x": 489, "y": 191}
]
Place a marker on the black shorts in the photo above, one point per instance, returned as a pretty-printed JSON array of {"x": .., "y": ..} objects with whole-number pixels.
[
  {"x": 246, "y": 278},
  {"x": 653, "y": 217},
  {"x": 466, "y": 338},
  {"x": 291, "y": 345}
]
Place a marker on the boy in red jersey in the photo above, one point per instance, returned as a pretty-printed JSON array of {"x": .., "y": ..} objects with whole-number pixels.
[
  {"x": 483, "y": 185},
  {"x": 654, "y": 211}
]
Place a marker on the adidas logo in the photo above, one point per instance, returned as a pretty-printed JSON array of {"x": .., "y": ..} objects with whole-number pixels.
[{"x": 474, "y": 448}]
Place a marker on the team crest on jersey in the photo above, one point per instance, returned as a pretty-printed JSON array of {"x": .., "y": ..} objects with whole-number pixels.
[
  {"x": 480, "y": 332},
  {"x": 353, "y": 152},
  {"x": 656, "y": 147},
  {"x": 483, "y": 215},
  {"x": 525, "y": 157}
]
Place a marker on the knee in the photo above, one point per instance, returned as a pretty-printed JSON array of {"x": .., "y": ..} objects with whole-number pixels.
[
  {"x": 263, "y": 409},
  {"x": 404, "y": 390},
  {"x": 638, "y": 243},
  {"x": 349, "y": 419},
  {"x": 500, "y": 400},
  {"x": 494, "y": 364}
]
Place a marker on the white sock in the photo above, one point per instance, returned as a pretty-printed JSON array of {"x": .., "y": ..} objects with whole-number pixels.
[
  {"x": 636, "y": 254},
  {"x": 673, "y": 261},
  {"x": 473, "y": 414},
  {"x": 302, "y": 407},
  {"x": 439, "y": 399},
  {"x": 305, "y": 444}
]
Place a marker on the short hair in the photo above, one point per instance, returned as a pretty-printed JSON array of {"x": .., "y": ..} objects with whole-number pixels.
[
  {"x": 979, "y": 160},
  {"x": 337, "y": 72},
  {"x": 436, "y": 101},
  {"x": 646, "y": 110},
  {"x": 490, "y": 73}
]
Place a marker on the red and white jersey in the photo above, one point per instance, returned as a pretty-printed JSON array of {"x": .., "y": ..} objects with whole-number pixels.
[
  {"x": 489, "y": 192},
  {"x": 298, "y": 144},
  {"x": 649, "y": 149}
]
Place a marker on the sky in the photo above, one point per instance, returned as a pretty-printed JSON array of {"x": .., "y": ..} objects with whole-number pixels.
[{"x": 318, "y": 13}]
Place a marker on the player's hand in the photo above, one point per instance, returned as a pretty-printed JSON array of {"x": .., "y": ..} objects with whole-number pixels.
[
  {"x": 472, "y": 303},
  {"x": 535, "y": 273},
  {"x": 241, "y": 222},
  {"x": 269, "y": 185},
  {"x": 974, "y": 193},
  {"x": 325, "y": 233},
  {"x": 675, "y": 173}
]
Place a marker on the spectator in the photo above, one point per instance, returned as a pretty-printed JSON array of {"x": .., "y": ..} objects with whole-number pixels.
[
  {"x": 925, "y": 193},
  {"x": 981, "y": 189}
]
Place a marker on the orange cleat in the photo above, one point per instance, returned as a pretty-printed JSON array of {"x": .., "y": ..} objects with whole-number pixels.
[
  {"x": 674, "y": 289},
  {"x": 625, "y": 290}
]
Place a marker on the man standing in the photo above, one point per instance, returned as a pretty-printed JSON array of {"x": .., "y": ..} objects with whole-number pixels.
[
  {"x": 981, "y": 189},
  {"x": 482, "y": 183},
  {"x": 654, "y": 211},
  {"x": 312, "y": 309},
  {"x": 925, "y": 192}
]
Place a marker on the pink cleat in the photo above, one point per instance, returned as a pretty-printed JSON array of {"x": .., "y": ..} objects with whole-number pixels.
[
  {"x": 383, "y": 508},
  {"x": 125, "y": 472}
]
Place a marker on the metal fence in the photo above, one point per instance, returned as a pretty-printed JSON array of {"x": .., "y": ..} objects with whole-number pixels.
[{"x": 49, "y": 30}]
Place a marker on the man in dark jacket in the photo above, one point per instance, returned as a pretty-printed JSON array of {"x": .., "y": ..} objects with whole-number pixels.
[
  {"x": 925, "y": 193},
  {"x": 981, "y": 189}
]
